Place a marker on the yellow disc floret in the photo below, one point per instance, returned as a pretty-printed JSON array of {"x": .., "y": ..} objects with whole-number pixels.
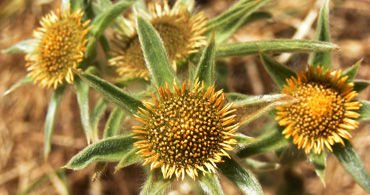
[
  {"x": 324, "y": 112},
  {"x": 185, "y": 131},
  {"x": 59, "y": 48}
]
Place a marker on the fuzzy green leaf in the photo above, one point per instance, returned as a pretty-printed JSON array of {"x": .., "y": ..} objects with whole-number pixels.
[
  {"x": 242, "y": 139},
  {"x": 322, "y": 34},
  {"x": 50, "y": 119},
  {"x": 253, "y": 107},
  {"x": 277, "y": 46},
  {"x": 82, "y": 91},
  {"x": 103, "y": 20},
  {"x": 261, "y": 166},
  {"x": 22, "y": 47},
  {"x": 112, "y": 93},
  {"x": 364, "y": 110},
  {"x": 154, "y": 53},
  {"x": 114, "y": 122},
  {"x": 205, "y": 69},
  {"x": 319, "y": 163},
  {"x": 346, "y": 155},
  {"x": 278, "y": 72},
  {"x": 233, "y": 97},
  {"x": 107, "y": 150},
  {"x": 23, "y": 82},
  {"x": 243, "y": 178},
  {"x": 155, "y": 184},
  {"x": 236, "y": 11},
  {"x": 351, "y": 72},
  {"x": 271, "y": 141},
  {"x": 128, "y": 159},
  {"x": 360, "y": 85},
  {"x": 210, "y": 184},
  {"x": 96, "y": 115}
]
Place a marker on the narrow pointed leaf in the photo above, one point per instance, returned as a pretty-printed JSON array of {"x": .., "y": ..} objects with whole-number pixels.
[
  {"x": 20, "y": 47},
  {"x": 96, "y": 115},
  {"x": 103, "y": 20},
  {"x": 241, "y": 177},
  {"x": 351, "y": 72},
  {"x": 322, "y": 34},
  {"x": 23, "y": 82},
  {"x": 319, "y": 163},
  {"x": 364, "y": 110},
  {"x": 50, "y": 119},
  {"x": 234, "y": 97},
  {"x": 346, "y": 155},
  {"x": 278, "y": 72},
  {"x": 114, "y": 122},
  {"x": 270, "y": 142},
  {"x": 82, "y": 90},
  {"x": 205, "y": 69},
  {"x": 276, "y": 46},
  {"x": 261, "y": 166},
  {"x": 253, "y": 107},
  {"x": 360, "y": 85},
  {"x": 112, "y": 93},
  {"x": 242, "y": 139},
  {"x": 154, "y": 53},
  {"x": 210, "y": 184},
  {"x": 128, "y": 159},
  {"x": 155, "y": 184},
  {"x": 107, "y": 150}
]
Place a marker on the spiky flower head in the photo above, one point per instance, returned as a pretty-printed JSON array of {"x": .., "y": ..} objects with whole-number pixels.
[
  {"x": 59, "y": 48},
  {"x": 185, "y": 131},
  {"x": 325, "y": 111},
  {"x": 181, "y": 32}
]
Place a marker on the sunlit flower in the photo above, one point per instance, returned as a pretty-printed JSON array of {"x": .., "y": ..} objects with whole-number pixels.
[
  {"x": 185, "y": 131},
  {"x": 181, "y": 32},
  {"x": 59, "y": 48},
  {"x": 325, "y": 111}
]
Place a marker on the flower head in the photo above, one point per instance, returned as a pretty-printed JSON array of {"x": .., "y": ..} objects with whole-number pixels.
[
  {"x": 181, "y": 32},
  {"x": 185, "y": 131},
  {"x": 59, "y": 48},
  {"x": 325, "y": 111}
]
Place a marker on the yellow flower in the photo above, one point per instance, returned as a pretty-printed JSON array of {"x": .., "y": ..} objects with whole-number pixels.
[
  {"x": 181, "y": 32},
  {"x": 185, "y": 131},
  {"x": 325, "y": 111},
  {"x": 59, "y": 48}
]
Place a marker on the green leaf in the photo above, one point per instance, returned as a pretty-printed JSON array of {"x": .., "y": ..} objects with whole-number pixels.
[
  {"x": 271, "y": 141},
  {"x": 50, "y": 119},
  {"x": 114, "y": 122},
  {"x": 242, "y": 139},
  {"x": 346, "y": 155},
  {"x": 210, "y": 184},
  {"x": 234, "y": 12},
  {"x": 364, "y": 110},
  {"x": 278, "y": 72},
  {"x": 22, "y": 47},
  {"x": 253, "y": 107},
  {"x": 23, "y": 82},
  {"x": 154, "y": 53},
  {"x": 319, "y": 163},
  {"x": 96, "y": 114},
  {"x": 243, "y": 178},
  {"x": 103, "y": 20},
  {"x": 322, "y": 34},
  {"x": 112, "y": 93},
  {"x": 82, "y": 91},
  {"x": 224, "y": 32},
  {"x": 155, "y": 184},
  {"x": 106, "y": 150},
  {"x": 233, "y": 97},
  {"x": 205, "y": 69},
  {"x": 351, "y": 72},
  {"x": 128, "y": 159},
  {"x": 360, "y": 85},
  {"x": 261, "y": 166},
  {"x": 277, "y": 46}
]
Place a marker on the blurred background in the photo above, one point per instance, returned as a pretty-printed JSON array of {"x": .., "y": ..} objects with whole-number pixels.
[{"x": 22, "y": 113}]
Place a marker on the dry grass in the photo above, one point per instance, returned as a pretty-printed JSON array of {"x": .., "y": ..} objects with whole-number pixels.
[{"x": 22, "y": 113}]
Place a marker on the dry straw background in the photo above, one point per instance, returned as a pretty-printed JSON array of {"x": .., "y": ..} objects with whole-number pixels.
[{"x": 22, "y": 113}]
